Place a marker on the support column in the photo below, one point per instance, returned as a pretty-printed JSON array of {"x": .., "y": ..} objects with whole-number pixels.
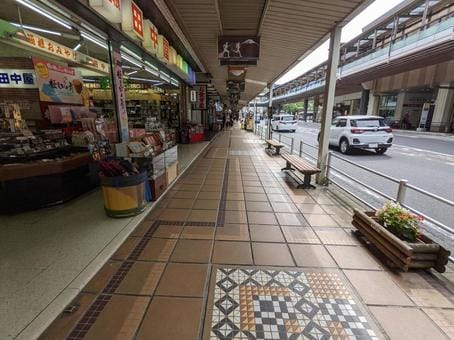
[
  {"x": 306, "y": 104},
  {"x": 372, "y": 105},
  {"x": 399, "y": 114},
  {"x": 364, "y": 101},
  {"x": 328, "y": 103},
  {"x": 270, "y": 111},
  {"x": 316, "y": 106},
  {"x": 443, "y": 112}
]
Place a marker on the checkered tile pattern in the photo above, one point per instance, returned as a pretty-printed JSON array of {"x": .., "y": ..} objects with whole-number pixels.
[{"x": 276, "y": 304}]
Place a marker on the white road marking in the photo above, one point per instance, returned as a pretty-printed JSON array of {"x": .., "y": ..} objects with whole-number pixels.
[{"x": 422, "y": 150}]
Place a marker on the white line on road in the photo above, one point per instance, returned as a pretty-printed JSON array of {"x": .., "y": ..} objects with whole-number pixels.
[{"x": 422, "y": 150}]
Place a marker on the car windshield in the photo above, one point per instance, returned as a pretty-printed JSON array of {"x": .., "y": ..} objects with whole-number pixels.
[
  {"x": 287, "y": 118},
  {"x": 367, "y": 122}
]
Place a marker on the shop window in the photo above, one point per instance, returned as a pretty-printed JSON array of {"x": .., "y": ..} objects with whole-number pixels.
[
  {"x": 52, "y": 132},
  {"x": 387, "y": 106}
]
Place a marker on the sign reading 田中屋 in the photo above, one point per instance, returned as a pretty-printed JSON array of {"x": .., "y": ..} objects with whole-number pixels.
[
  {"x": 150, "y": 37},
  {"x": 15, "y": 78},
  {"x": 109, "y": 9},
  {"x": 163, "y": 49},
  {"x": 132, "y": 19},
  {"x": 57, "y": 83}
]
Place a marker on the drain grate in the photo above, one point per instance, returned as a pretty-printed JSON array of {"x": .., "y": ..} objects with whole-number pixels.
[
  {"x": 89, "y": 318},
  {"x": 200, "y": 224},
  {"x": 223, "y": 202},
  {"x": 163, "y": 222}
]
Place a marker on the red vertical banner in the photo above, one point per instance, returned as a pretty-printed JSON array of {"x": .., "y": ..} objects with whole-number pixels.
[
  {"x": 166, "y": 50},
  {"x": 137, "y": 19}
]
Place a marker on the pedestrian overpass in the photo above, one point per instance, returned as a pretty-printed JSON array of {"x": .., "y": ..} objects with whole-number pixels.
[{"x": 414, "y": 35}]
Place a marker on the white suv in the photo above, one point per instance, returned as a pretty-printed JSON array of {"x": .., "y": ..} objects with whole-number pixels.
[
  {"x": 283, "y": 123},
  {"x": 360, "y": 132}
]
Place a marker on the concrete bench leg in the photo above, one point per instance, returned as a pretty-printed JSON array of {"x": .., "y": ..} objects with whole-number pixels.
[{"x": 277, "y": 150}]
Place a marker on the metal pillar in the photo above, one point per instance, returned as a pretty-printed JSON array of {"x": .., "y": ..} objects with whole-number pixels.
[
  {"x": 316, "y": 108},
  {"x": 270, "y": 112},
  {"x": 255, "y": 114},
  {"x": 306, "y": 104},
  {"x": 328, "y": 103}
]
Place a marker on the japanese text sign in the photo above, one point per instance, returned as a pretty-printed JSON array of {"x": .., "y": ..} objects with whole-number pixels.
[
  {"x": 58, "y": 84},
  {"x": 15, "y": 78}
]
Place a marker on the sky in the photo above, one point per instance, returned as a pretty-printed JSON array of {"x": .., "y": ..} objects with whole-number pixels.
[{"x": 351, "y": 30}]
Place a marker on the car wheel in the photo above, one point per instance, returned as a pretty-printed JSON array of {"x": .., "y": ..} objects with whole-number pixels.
[
  {"x": 381, "y": 151},
  {"x": 344, "y": 146}
]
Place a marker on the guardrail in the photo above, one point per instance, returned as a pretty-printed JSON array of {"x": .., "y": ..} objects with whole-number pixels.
[{"x": 334, "y": 173}]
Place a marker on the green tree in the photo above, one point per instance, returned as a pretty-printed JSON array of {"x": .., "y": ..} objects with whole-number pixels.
[{"x": 293, "y": 107}]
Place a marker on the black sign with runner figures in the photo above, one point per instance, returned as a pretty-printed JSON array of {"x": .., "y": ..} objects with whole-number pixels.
[{"x": 238, "y": 50}]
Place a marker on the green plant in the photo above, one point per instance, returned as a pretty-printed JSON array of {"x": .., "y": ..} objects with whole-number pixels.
[{"x": 399, "y": 221}]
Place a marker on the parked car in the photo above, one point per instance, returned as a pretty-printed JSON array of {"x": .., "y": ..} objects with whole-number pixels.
[
  {"x": 360, "y": 132},
  {"x": 283, "y": 122}
]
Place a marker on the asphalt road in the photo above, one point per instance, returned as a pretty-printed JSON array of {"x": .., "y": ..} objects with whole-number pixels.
[{"x": 425, "y": 161}]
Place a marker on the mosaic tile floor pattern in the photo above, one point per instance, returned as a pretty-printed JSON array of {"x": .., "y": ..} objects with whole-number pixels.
[{"x": 277, "y": 304}]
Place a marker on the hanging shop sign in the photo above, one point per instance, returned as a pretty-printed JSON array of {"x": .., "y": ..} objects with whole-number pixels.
[
  {"x": 193, "y": 96},
  {"x": 201, "y": 102},
  {"x": 109, "y": 9},
  {"x": 150, "y": 35},
  {"x": 180, "y": 62},
  {"x": 18, "y": 79},
  {"x": 172, "y": 56},
  {"x": 244, "y": 49},
  {"x": 121, "y": 97},
  {"x": 132, "y": 19},
  {"x": 57, "y": 83},
  {"x": 163, "y": 49}
]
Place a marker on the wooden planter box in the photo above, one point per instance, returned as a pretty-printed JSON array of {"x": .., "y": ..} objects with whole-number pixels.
[{"x": 425, "y": 253}]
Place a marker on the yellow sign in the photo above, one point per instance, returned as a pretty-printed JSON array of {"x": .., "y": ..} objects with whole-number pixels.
[
  {"x": 48, "y": 46},
  {"x": 42, "y": 70}
]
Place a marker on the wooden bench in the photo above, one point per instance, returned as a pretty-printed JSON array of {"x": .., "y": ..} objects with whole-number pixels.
[
  {"x": 297, "y": 163},
  {"x": 273, "y": 144}
]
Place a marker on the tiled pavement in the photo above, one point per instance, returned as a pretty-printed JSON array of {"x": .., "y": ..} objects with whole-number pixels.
[{"x": 234, "y": 251}]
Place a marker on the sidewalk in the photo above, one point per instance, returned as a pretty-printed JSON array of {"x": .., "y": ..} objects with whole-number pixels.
[
  {"x": 48, "y": 255},
  {"x": 233, "y": 251}
]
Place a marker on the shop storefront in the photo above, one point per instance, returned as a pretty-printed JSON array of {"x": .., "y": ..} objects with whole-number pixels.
[{"x": 76, "y": 102}]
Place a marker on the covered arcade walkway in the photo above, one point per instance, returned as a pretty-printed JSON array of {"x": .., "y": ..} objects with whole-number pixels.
[{"x": 234, "y": 251}]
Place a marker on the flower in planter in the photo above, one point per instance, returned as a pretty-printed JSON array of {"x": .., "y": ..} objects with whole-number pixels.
[{"x": 399, "y": 221}]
